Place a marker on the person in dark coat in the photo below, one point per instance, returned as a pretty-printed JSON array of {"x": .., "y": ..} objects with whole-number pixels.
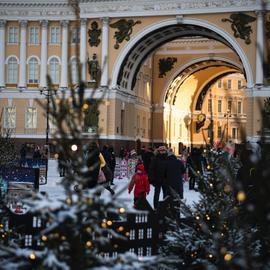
[
  {"x": 112, "y": 162},
  {"x": 37, "y": 154},
  {"x": 194, "y": 163},
  {"x": 146, "y": 158},
  {"x": 23, "y": 151},
  {"x": 175, "y": 172},
  {"x": 157, "y": 174},
  {"x": 174, "y": 175},
  {"x": 93, "y": 163}
]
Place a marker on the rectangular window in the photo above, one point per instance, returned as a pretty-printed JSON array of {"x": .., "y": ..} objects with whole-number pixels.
[
  {"x": 229, "y": 108},
  {"x": 132, "y": 234},
  {"x": 235, "y": 133},
  {"x": 209, "y": 105},
  {"x": 55, "y": 35},
  {"x": 239, "y": 84},
  {"x": 10, "y": 117},
  {"x": 31, "y": 118},
  {"x": 138, "y": 125},
  {"x": 13, "y": 35},
  {"x": 140, "y": 251},
  {"x": 219, "y": 106},
  {"x": 229, "y": 84},
  {"x": 239, "y": 107},
  {"x": 140, "y": 234},
  {"x": 219, "y": 132},
  {"x": 219, "y": 83},
  {"x": 75, "y": 35},
  {"x": 34, "y": 35}
]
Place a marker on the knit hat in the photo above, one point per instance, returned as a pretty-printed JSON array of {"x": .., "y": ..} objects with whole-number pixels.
[
  {"x": 132, "y": 152},
  {"x": 162, "y": 148},
  {"x": 140, "y": 167}
]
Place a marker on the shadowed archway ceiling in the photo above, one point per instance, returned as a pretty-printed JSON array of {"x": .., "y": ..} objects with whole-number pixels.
[
  {"x": 142, "y": 49},
  {"x": 217, "y": 70}
]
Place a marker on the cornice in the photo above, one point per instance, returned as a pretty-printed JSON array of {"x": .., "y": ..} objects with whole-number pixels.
[
  {"x": 124, "y": 8},
  {"x": 54, "y": 10}
]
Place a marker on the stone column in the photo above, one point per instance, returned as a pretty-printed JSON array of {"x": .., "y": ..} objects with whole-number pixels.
[
  {"x": 2, "y": 53},
  {"x": 22, "y": 78},
  {"x": 64, "y": 60},
  {"x": 259, "y": 48},
  {"x": 44, "y": 54},
  {"x": 83, "y": 48},
  {"x": 105, "y": 52}
]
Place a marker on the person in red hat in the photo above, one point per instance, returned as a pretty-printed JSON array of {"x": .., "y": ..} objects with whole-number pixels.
[{"x": 140, "y": 182}]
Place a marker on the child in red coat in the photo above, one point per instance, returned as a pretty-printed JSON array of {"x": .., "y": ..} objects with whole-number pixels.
[{"x": 141, "y": 183}]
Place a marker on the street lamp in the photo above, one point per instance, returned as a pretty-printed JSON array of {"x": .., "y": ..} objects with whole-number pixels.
[
  {"x": 227, "y": 115},
  {"x": 47, "y": 92}
]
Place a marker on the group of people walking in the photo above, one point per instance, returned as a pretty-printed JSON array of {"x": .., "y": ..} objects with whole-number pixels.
[{"x": 162, "y": 170}]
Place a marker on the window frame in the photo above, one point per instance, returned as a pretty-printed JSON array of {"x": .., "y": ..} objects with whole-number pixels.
[
  {"x": 219, "y": 106},
  {"x": 6, "y": 126},
  {"x": 35, "y": 35},
  {"x": 54, "y": 35},
  {"x": 15, "y": 35},
  {"x": 239, "y": 106},
  {"x": 33, "y": 118},
  {"x": 55, "y": 77},
  {"x": 13, "y": 81},
  {"x": 35, "y": 71},
  {"x": 229, "y": 84}
]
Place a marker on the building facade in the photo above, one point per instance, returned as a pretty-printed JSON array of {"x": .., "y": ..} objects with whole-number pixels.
[{"x": 158, "y": 66}]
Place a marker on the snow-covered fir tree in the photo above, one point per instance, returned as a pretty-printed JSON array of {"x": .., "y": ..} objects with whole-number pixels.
[{"x": 217, "y": 232}]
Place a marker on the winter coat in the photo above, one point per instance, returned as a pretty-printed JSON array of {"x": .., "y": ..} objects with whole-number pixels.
[
  {"x": 141, "y": 183},
  {"x": 157, "y": 170},
  {"x": 175, "y": 171},
  {"x": 147, "y": 157}
]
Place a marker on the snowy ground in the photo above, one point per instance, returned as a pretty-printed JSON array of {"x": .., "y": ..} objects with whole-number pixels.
[{"x": 55, "y": 190}]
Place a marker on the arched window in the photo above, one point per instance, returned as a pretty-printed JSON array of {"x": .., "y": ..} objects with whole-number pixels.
[
  {"x": 12, "y": 74},
  {"x": 33, "y": 70},
  {"x": 74, "y": 71},
  {"x": 54, "y": 70}
]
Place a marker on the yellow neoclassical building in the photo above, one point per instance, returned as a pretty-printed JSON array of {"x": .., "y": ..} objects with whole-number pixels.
[{"x": 169, "y": 71}]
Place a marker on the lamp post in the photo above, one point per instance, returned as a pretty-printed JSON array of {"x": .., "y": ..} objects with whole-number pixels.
[
  {"x": 47, "y": 93},
  {"x": 227, "y": 115}
]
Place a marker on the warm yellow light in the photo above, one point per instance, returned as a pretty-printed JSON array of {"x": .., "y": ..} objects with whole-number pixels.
[
  {"x": 85, "y": 106},
  {"x": 89, "y": 244},
  {"x": 241, "y": 196},
  {"x": 109, "y": 222},
  {"x": 56, "y": 156},
  {"x": 120, "y": 229},
  {"x": 32, "y": 256},
  {"x": 208, "y": 167},
  {"x": 103, "y": 225},
  {"x": 63, "y": 238},
  {"x": 210, "y": 256},
  {"x": 44, "y": 238},
  {"x": 88, "y": 229},
  {"x": 122, "y": 210},
  {"x": 227, "y": 257},
  {"x": 211, "y": 185},
  {"x": 74, "y": 147},
  {"x": 197, "y": 217},
  {"x": 1, "y": 225},
  {"x": 207, "y": 217}
]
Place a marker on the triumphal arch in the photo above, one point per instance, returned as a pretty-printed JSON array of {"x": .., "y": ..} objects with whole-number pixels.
[{"x": 169, "y": 71}]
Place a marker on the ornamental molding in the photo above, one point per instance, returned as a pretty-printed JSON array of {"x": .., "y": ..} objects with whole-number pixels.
[
  {"x": 124, "y": 8},
  {"x": 56, "y": 10}
]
